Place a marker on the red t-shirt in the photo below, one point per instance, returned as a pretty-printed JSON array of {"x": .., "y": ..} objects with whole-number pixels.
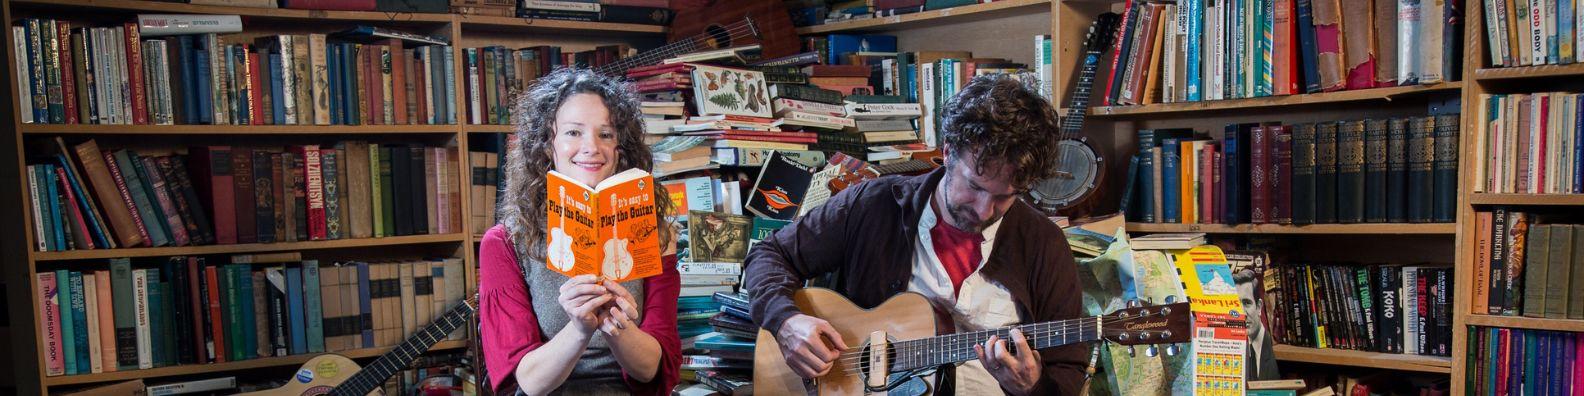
[{"x": 957, "y": 250}]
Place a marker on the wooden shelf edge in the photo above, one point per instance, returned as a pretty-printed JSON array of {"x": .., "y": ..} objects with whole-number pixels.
[
  {"x": 94, "y": 129},
  {"x": 246, "y": 248},
  {"x": 1375, "y": 228},
  {"x": 1528, "y": 72},
  {"x": 1524, "y": 322},
  {"x": 488, "y": 128},
  {"x": 1526, "y": 199},
  {"x": 144, "y": 6},
  {"x": 1358, "y": 95},
  {"x": 902, "y": 21},
  {"x": 240, "y": 365},
  {"x": 1342, "y": 357},
  {"x": 499, "y": 22}
]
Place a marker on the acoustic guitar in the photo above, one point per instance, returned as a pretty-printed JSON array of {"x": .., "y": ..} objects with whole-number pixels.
[
  {"x": 895, "y": 344},
  {"x": 1080, "y": 170},
  {"x": 336, "y": 375},
  {"x": 922, "y": 162},
  {"x": 720, "y": 26}
]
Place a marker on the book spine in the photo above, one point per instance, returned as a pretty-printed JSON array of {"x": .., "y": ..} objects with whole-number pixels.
[
  {"x": 1350, "y": 172},
  {"x": 1281, "y": 178},
  {"x": 1421, "y": 145},
  {"x": 1303, "y": 174},
  {"x": 159, "y": 188},
  {"x": 1444, "y": 174},
  {"x": 50, "y": 329},
  {"x": 1260, "y": 190},
  {"x": 1375, "y": 164},
  {"x": 130, "y": 199},
  {"x": 1171, "y": 157}
]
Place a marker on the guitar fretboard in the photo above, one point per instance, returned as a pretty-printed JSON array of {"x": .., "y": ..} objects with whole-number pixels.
[
  {"x": 403, "y": 354},
  {"x": 954, "y": 348},
  {"x": 1080, "y": 100}
]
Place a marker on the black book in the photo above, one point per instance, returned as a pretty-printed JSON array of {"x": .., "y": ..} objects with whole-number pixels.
[
  {"x": 1368, "y": 306},
  {"x": 264, "y": 196},
  {"x": 1235, "y": 173},
  {"x": 418, "y": 200},
  {"x": 1298, "y": 301},
  {"x": 299, "y": 195},
  {"x": 1498, "y": 257},
  {"x": 1444, "y": 186},
  {"x": 401, "y": 162},
  {"x": 1375, "y": 170},
  {"x": 275, "y": 289},
  {"x": 1397, "y": 170},
  {"x": 387, "y": 193},
  {"x": 1326, "y": 172},
  {"x": 177, "y": 268},
  {"x": 1350, "y": 172},
  {"x": 1388, "y": 314},
  {"x": 206, "y": 325},
  {"x": 189, "y": 200},
  {"x": 738, "y": 300},
  {"x": 1441, "y": 311},
  {"x": 1325, "y": 305},
  {"x": 1303, "y": 174},
  {"x": 1421, "y": 145},
  {"x": 1342, "y": 278}
]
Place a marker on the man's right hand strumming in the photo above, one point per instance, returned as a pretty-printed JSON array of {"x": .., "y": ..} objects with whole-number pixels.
[{"x": 809, "y": 344}]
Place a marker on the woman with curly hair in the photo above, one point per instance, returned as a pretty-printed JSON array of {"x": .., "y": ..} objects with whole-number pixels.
[{"x": 543, "y": 332}]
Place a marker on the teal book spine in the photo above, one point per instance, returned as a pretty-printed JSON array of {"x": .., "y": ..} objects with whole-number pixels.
[
  {"x": 249, "y": 333},
  {"x": 68, "y": 323},
  {"x": 294, "y": 309},
  {"x": 125, "y": 316},
  {"x": 157, "y": 324},
  {"x": 79, "y": 307},
  {"x": 230, "y": 310},
  {"x": 313, "y": 314}
]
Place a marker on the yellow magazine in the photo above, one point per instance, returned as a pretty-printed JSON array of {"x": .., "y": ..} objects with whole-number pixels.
[
  {"x": 1217, "y": 351},
  {"x": 608, "y": 230}
]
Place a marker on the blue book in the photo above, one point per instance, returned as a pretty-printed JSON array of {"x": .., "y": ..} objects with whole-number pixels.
[
  {"x": 1306, "y": 46},
  {"x": 46, "y": 177},
  {"x": 277, "y": 106},
  {"x": 841, "y": 44},
  {"x": 348, "y": 82},
  {"x": 36, "y": 76},
  {"x": 294, "y": 310},
  {"x": 1194, "y": 11},
  {"x": 156, "y": 299},
  {"x": 333, "y": 76},
  {"x": 1564, "y": 27},
  {"x": 365, "y": 306},
  {"x": 1527, "y": 360},
  {"x": 1569, "y": 358},
  {"x": 450, "y": 83},
  {"x": 142, "y": 203},
  {"x": 1128, "y": 202},
  {"x": 203, "y": 112},
  {"x": 1493, "y": 341},
  {"x": 1146, "y": 195},
  {"x": 313, "y": 313},
  {"x": 1230, "y": 181},
  {"x": 79, "y": 318},
  {"x": 432, "y": 55},
  {"x": 244, "y": 285},
  {"x": 68, "y": 318},
  {"x": 235, "y": 102},
  {"x": 1540, "y": 379},
  {"x": 1578, "y": 149},
  {"x": 1170, "y": 205},
  {"x": 187, "y": 78}
]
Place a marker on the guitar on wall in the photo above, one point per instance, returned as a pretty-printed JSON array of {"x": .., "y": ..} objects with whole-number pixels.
[
  {"x": 896, "y": 343},
  {"x": 724, "y": 25},
  {"x": 1074, "y": 191},
  {"x": 336, "y": 375}
]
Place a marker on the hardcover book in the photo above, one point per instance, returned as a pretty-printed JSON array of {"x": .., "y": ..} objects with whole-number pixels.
[
  {"x": 609, "y": 229},
  {"x": 718, "y": 90},
  {"x": 779, "y": 190}
]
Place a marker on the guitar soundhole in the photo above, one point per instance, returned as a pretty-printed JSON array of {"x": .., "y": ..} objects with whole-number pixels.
[{"x": 719, "y": 36}]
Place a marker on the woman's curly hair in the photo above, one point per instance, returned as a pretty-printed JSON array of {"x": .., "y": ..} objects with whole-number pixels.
[
  {"x": 1001, "y": 120},
  {"x": 522, "y": 206}
]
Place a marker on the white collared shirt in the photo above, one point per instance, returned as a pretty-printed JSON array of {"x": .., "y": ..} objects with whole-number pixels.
[{"x": 980, "y": 305}]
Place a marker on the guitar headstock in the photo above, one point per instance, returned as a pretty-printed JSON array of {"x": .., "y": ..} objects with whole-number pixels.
[
  {"x": 1102, "y": 32},
  {"x": 1158, "y": 324}
]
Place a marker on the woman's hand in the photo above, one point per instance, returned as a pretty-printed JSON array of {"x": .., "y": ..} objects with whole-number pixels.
[
  {"x": 584, "y": 300},
  {"x": 619, "y": 317}
]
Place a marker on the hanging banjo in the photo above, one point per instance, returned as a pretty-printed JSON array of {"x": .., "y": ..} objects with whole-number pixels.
[{"x": 1080, "y": 169}]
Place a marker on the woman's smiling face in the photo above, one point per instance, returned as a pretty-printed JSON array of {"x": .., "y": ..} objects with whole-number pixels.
[{"x": 584, "y": 145}]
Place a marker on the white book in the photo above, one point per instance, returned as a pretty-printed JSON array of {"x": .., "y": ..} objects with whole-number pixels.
[
  {"x": 196, "y": 386},
  {"x": 123, "y": 84},
  {"x": 883, "y": 111},
  {"x": 101, "y": 68},
  {"x": 318, "y": 76},
  {"x": 561, "y": 5},
  {"x": 1551, "y": 31},
  {"x": 220, "y": 94},
  {"x": 926, "y": 80},
  {"x": 283, "y": 46},
  {"x": 1578, "y": 32},
  {"x": 702, "y": 291},
  {"x": 1039, "y": 65},
  {"x": 425, "y": 56},
  {"x": 41, "y": 239},
  {"x": 1481, "y": 141},
  {"x": 710, "y": 280},
  {"x": 150, "y": 25},
  {"x": 91, "y": 306},
  {"x": 1169, "y": 44},
  {"x": 1495, "y": 33},
  {"x": 709, "y": 268},
  {"x": 1408, "y": 52},
  {"x": 141, "y": 310},
  {"x": 780, "y": 105},
  {"x": 1537, "y": 44},
  {"x": 24, "y": 84},
  {"x": 1215, "y": 61},
  {"x": 1410, "y": 302},
  {"x": 475, "y": 103},
  {"x": 1535, "y": 134}
]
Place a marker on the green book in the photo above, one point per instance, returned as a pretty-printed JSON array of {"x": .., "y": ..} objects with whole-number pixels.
[
  {"x": 124, "y": 312},
  {"x": 157, "y": 324},
  {"x": 376, "y": 189},
  {"x": 153, "y": 221},
  {"x": 1559, "y": 272},
  {"x": 387, "y": 192},
  {"x": 68, "y": 331},
  {"x": 229, "y": 309},
  {"x": 313, "y": 313},
  {"x": 1536, "y": 267},
  {"x": 249, "y": 336}
]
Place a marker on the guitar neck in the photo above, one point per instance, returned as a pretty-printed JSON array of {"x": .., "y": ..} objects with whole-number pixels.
[
  {"x": 402, "y": 355},
  {"x": 956, "y": 348},
  {"x": 1080, "y": 100},
  {"x": 670, "y": 50}
]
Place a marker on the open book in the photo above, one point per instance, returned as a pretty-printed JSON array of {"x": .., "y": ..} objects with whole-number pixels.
[{"x": 609, "y": 230}]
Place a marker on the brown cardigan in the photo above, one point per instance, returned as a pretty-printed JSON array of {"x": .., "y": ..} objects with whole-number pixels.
[{"x": 865, "y": 236}]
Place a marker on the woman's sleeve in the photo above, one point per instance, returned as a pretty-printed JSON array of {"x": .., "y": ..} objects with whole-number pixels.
[
  {"x": 508, "y": 328},
  {"x": 660, "y": 322}
]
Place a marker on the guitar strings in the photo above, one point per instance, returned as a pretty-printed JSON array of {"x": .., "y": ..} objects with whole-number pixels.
[
  {"x": 733, "y": 31},
  {"x": 1067, "y": 325},
  {"x": 852, "y": 367},
  {"x": 854, "y": 355}
]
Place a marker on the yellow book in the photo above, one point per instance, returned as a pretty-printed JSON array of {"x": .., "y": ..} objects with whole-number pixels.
[{"x": 608, "y": 230}]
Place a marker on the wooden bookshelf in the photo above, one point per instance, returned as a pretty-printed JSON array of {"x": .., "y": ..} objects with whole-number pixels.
[
  {"x": 240, "y": 365},
  {"x": 1528, "y": 72},
  {"x": 1312, "y": 229},
  {"x": 1526, "y": 199},
  {"x": 935, "y": 17},
  {"x": 209, "y": 130},
  {"x": 1287, "y": 101},
  {"x": 1377, "y": 360},
  {"x": 555, "y": 26},
  {"x": 157, "y": 7},
  {"x": 488, "y": 128},
  {"x": 248, "y": 247},
  {"x": 1524, "y": 322}
]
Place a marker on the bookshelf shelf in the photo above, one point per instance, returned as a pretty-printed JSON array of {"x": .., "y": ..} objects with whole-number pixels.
[
  {"x": 1529, "y": 72},
  {"x": 1312, "y": 229},
  {"x": 927, "y": 18},
  {"x": 1526, "y": 199},
  {"x": 482, "y": 128},
  {"x": 156, "y": 7},
  {"x": 1342, "y": 357},
  {"x": 1360, "y": 95},
  {"x": 557, "y": 26},
  {"x": 209, "y": 130},
  {"x": 240, "y": 365},
  {"x": 247, "y": 248},
  {"x": 1523, "y": 322}
]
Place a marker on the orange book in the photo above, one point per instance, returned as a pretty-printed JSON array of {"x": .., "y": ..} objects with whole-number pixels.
[{"x": 608, "y": 230}]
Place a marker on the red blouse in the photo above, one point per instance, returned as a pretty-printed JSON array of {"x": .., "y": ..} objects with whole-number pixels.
[{"x": 509, "y": 329}]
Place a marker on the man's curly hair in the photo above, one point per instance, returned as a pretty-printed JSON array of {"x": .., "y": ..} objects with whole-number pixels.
[
  {"x": 1002, "y": 121},
  {"x": 522, "y": 204}
]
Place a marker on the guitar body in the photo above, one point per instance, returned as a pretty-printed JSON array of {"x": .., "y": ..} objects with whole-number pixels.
[
  {"x": 317, "y": 377},
  {"x": 906, "y": 316},
  {"x": 777, "y": 37}
]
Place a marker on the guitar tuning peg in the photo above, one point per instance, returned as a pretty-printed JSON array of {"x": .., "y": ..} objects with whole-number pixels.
[
  {"x": 1173, "y": 350},
  {"x": 1151, "y": 351},
  {"x": 1171, "y": 299},
  {"x": 1148, "y": 301},
  {"x": 1134, "y": 304},
  {"x": 1132, "y": 352}
]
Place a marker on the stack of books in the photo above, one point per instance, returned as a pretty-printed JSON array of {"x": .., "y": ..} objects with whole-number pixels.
[
  {"x": 1527, "y": 264},
  {"x": 494, "y": 75},
  {"x": 1523, "y": 33},
  {"x": 1377, "y": 308},
  {"x": 1530, "y": 144},
  {"x": 643, "y": 12}
]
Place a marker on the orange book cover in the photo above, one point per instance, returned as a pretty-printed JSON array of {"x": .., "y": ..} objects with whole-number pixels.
[{"x": 608, "y": 230}]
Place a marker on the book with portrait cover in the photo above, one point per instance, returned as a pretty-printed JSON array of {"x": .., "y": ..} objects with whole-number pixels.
[{"x": 608, "y": 230}]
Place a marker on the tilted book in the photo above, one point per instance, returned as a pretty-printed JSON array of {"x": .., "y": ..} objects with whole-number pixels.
[{"x": 608, "y": 230}]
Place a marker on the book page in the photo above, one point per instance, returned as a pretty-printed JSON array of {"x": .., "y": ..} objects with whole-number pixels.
[{"x": 629, "y": 244}]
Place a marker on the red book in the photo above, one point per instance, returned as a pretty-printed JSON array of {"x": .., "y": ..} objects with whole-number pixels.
[
  {"x": 1329, "y": 45},
  {"x": 1116, "y": 53},
  {"x": 216, "y": 317},
  {"x": 1544, "y": 132},
  {"x": 120, "y": 183},
  {"x": 398, "y": 93},
  {"x": 200, "y": 349},
  {"x": 315, "y": 191},
  {"x": 421, "y": 76},
  {"x": 211, "y": 171},
  {"x": 1284, "y": 55},
  {"x": 1259, "y": 171},
  {"x": 81, "y": 233},
  {"x": 376, "y": 90},
  {"x": 157, "y": 180},
  {"x": 362, "y": 73},
  {"x": 255, "y": 91},
  {"x": 68, "y": 73},
  {"x": 1280, "y": 151},
  {"x": 638, "y": 72},
  {"x": 134, "y": 54},
  {"x": 242, "y": 175},
  {"x": 336, "y": 5}
]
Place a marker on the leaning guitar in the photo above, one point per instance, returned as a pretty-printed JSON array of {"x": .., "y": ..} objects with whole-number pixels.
[
  {"x": 895, "y": 343},
  {"x": 336, "y": 375},
  {"x": 1080, "y": 171}
]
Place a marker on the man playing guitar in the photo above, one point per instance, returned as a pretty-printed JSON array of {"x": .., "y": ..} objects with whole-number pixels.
[{"x": 959, "y": 236}]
